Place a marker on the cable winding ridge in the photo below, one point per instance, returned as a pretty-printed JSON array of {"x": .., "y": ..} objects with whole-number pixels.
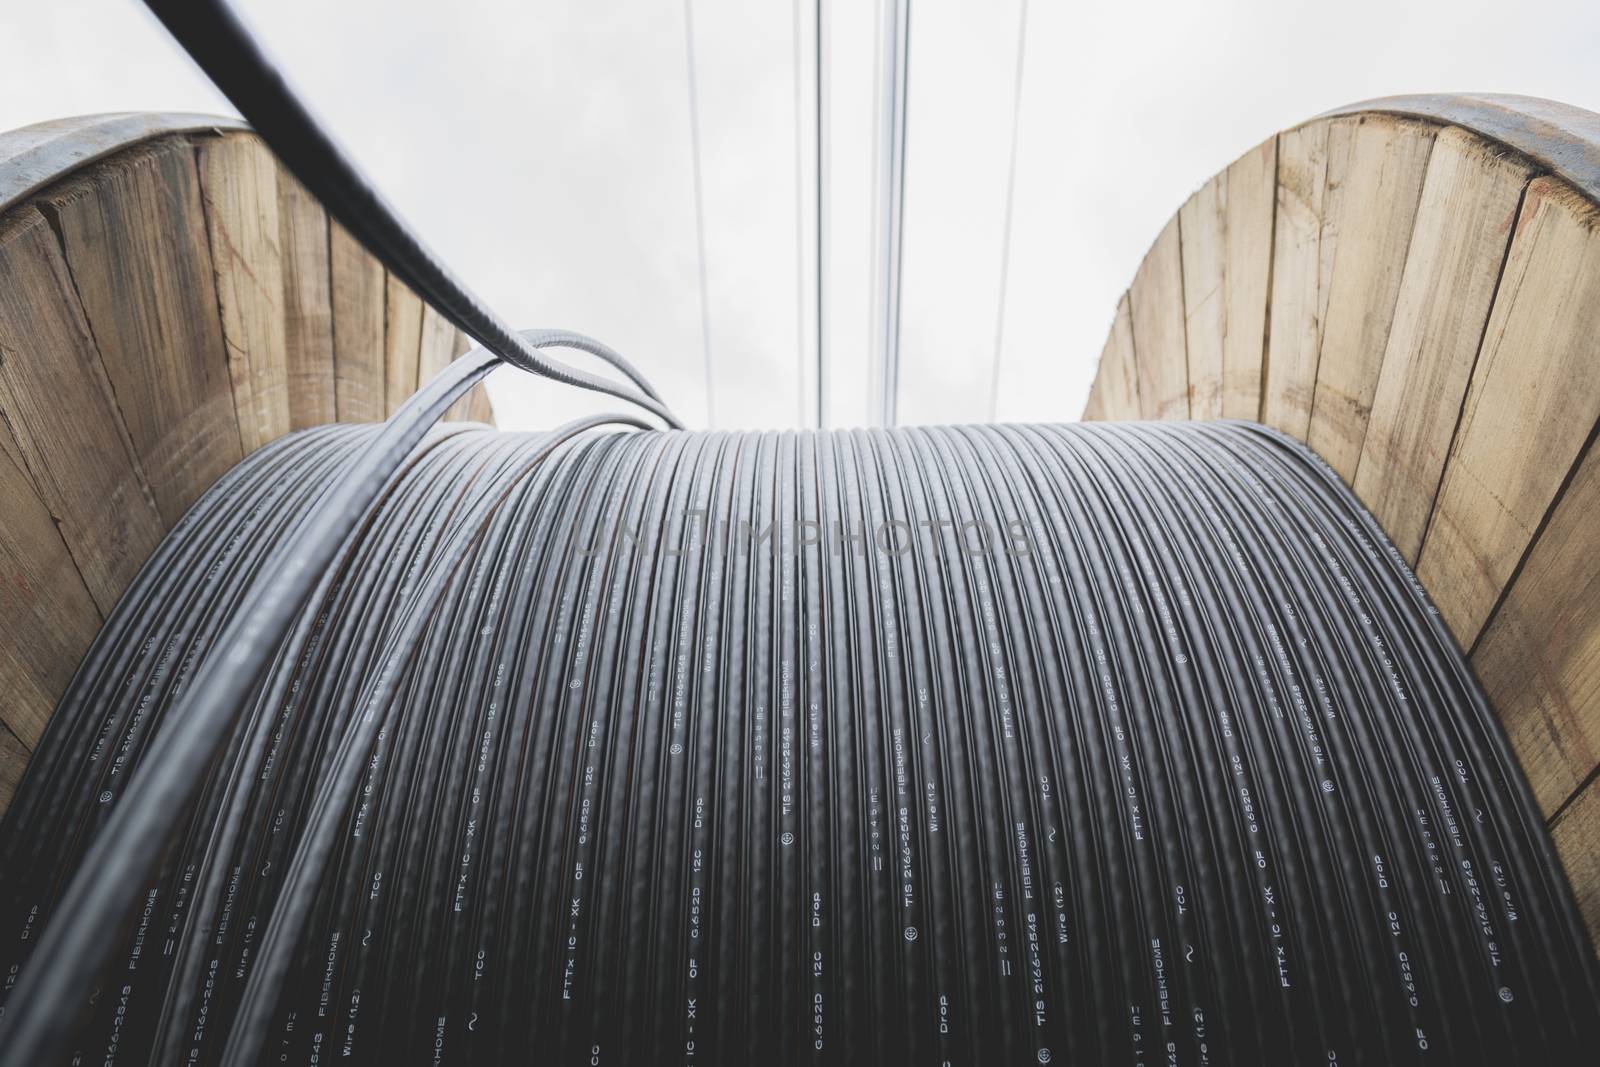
[
  {"x": 1100, "y": 743},
  {"x": 212, "y": 34}
]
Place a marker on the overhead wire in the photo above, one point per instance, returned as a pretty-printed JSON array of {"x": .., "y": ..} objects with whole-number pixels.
[
  {"x": 800, "y": 356},
  {"x": 1011, "y": 198},
  {"x": 821, "y": 178},
  {"x": 890, "y": 125},
  {"x": 699, "y": 210}
]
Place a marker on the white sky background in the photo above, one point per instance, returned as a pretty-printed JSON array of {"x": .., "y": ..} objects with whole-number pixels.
[{"x": 543, "y": 149}]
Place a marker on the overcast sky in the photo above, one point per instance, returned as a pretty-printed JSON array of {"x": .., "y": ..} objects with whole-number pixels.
[{"x": 544, "y": 149}]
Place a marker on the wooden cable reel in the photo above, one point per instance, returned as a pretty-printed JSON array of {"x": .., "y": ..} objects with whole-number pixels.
[
  {"x": 172, "y": 301},
  {"x": 1412, "y": 298},
  {"x": 1411, "y": 287}
]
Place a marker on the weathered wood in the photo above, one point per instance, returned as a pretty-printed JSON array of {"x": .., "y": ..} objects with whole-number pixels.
[
  {"x": 358, "y": 324},
  {"x": 1459, "y": 243},
  {"x": 479, "y": 407},
  {"x": 8, "y": 441},
  {"x": 1539, "y": 659},
  {"x": 164, "y": 308},
  {"x": 1388, "y": 161},
  {"x": 1205, "y": 315},
  {"x": 1436, "y": 342},
  {"x": 402, "y": 342},
  {"x": 135, "y": 240},
  {"x": 1227, "y": 249},
  {"x": 1312, "y": 163},
  {"x": 14, "y": 756},
  {"x": 1116, "y": 384},
  {"x": 1577, "y": 840},
  {"x": 1093, "y": 409},
  {"x": 1532, "y": 403},
  {"x": 63, "y": 425},
  {"x": 438, "y": 345},
  {"x": 1123, "y": 396},
  {"x": 307, "y": 305},
  {"x": 36, "y": 156},
  {"x": 46, "y": 613},
  {"x": 239, "y": 183},
  {"x": 1556, "y": 137},
  {"x": 461, "y": 410},
  {"x": 1378, "y": 389},
  {"x": 1156, "y": 303},
  {"x": 1252, "y": 194}
]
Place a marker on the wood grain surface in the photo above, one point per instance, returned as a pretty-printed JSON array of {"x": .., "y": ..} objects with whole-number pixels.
[
  {"x": 1433, "y": 332},
  {"x": 170, "y": 302}
]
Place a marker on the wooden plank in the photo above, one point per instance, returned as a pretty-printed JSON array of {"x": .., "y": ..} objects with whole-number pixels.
[
  {"x": 1092, "y": 409},
  {"x": 442, "y": 343},
  {"x": 1577, "y": 839},
  {"x": 1539, "y": 659},
  {"x": 438, "y": 345},
  {"x": 239, "y": 186},
  {"x": 1156, "y": 303},
  {"x": 1123, "y": 399},
  {"x": 1227, "y": 250},
  {"x": 479, "y": 407},
  {"x": 1116, "y": 386},
  {"x": 402, "y": 341},
  {"x": 476, "y": 407},
  {"x": 1532, "y": 402},
  {"x": 1462, "y": 233},
  {"x": 1559, "y": 138},
  {"x": 1312, "y": 163},
  {"x": 358, "y": 323},
  {"x": 46, "y": 612},
  {"x": 14, "y": 756},
  {"x": 1247, "y": 268},
  {"x": 1205, "y": 316},
  {"x": 8, "y": 441},
  {"x": 461, "y": 410},
  {"x": 307, "y": 305},
  {"x": 1388, "y": 162},
  {"x": 63, "y": 427},
  {"x": 40, "y": 155},
  {"x": 135, "y": 240}
]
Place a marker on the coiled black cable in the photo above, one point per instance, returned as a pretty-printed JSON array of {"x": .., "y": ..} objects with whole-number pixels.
[
  {"x": 300, "y": 565},
  {"x": 213, "y": 36},
  {"x": 1123, "y": 743},
  {"x": 1109, "y": 743}
]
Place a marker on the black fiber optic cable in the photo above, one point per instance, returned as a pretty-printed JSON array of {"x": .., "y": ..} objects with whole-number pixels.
[
  {"x": 1098, "y": 743},
  {"x": 128, "y": 845},
  {"x": 212, "y": 34},
  {"x": 1114, "y": 743}
]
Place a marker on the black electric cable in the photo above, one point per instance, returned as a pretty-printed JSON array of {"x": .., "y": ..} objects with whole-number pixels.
[
  {"x": 129, "y": 844},
  {"x": 1111, "y": 742},
  {"x": 212, "y": 34},
  {"x": 1119, "y": 743}
]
